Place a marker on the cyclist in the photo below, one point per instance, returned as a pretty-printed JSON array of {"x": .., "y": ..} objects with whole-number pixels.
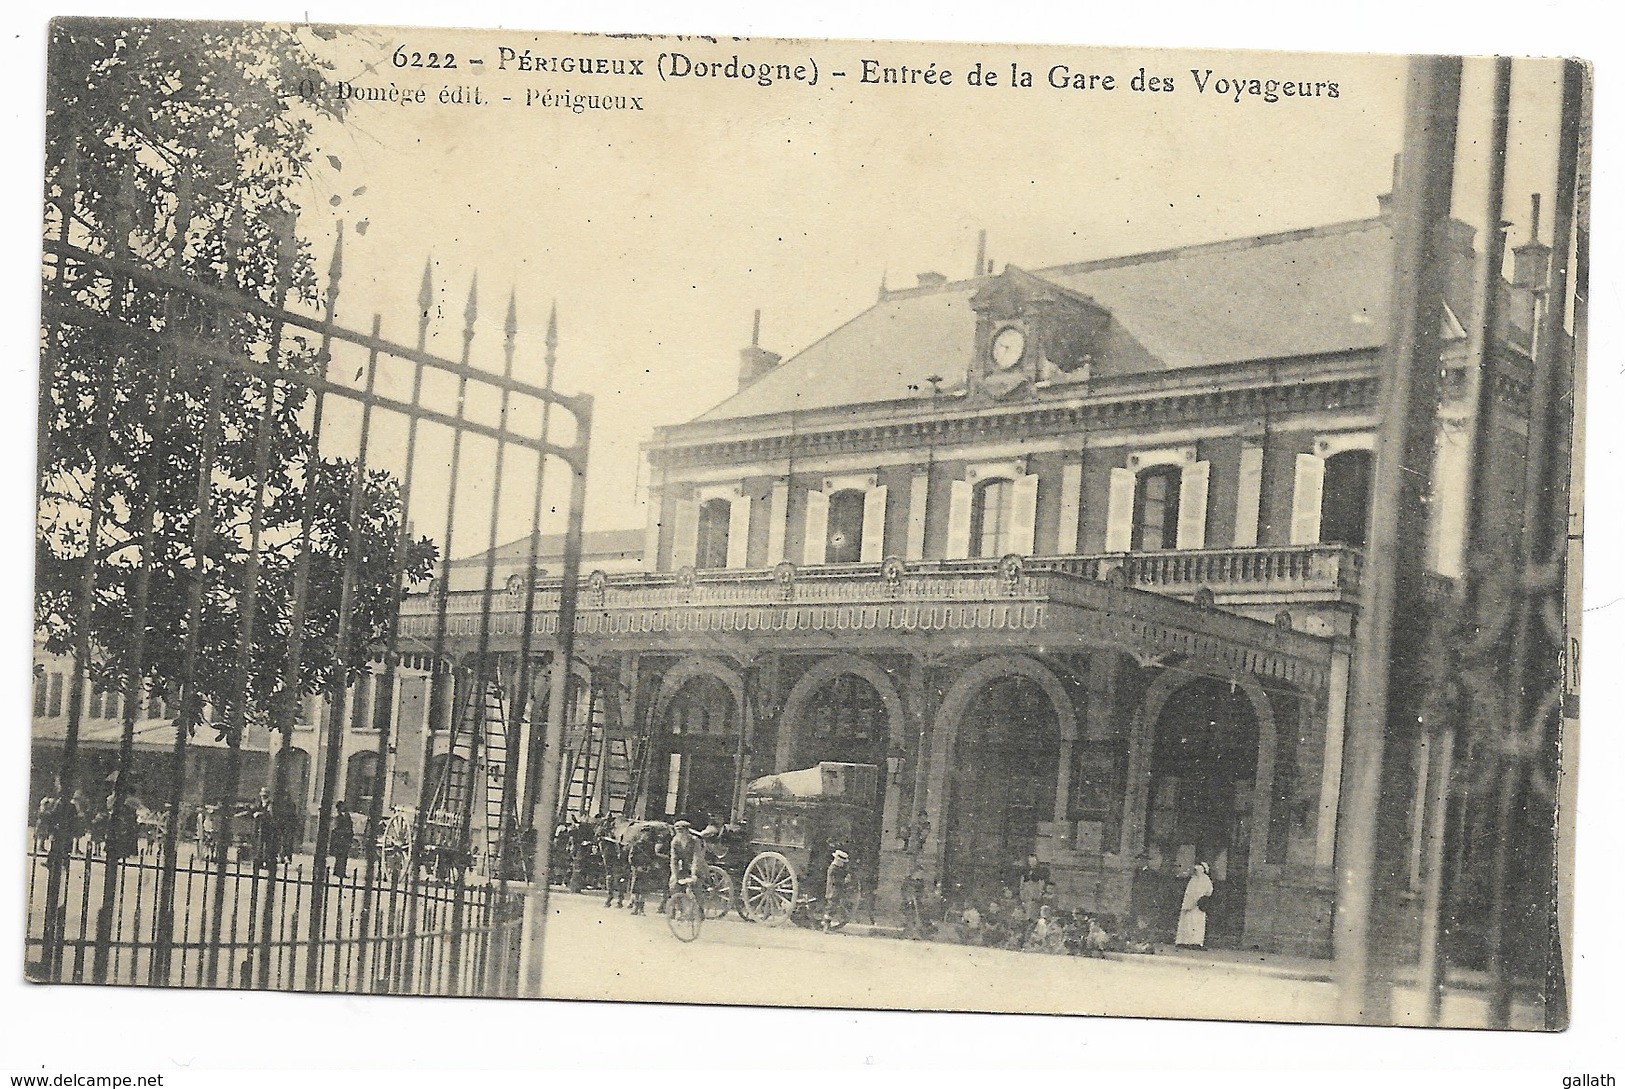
[{"x": 687, "y": 859}]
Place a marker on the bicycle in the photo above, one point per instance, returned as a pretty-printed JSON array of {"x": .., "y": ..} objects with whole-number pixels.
[{"x": 684, "y": 913}]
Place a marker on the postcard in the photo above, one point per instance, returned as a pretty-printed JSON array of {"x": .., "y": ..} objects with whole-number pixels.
[{"x": 861, "y": 524}]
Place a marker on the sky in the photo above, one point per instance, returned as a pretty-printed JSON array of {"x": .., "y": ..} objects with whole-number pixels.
[
  {"x": 675, "y": 300},
  {"x": 659, "y": 233}
]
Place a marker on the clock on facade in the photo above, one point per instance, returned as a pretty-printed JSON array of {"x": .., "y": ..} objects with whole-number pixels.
[{"x": 1009, "y": 344}]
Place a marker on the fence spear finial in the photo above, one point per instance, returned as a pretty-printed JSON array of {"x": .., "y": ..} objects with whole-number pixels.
[
  {"x": 335, "y": 268},
  {"x": 553, "y": 327},
  {"x": 472, "y": 310},
  {"x": 510, "y": 330},
  {"x": 425, "y": 302}
]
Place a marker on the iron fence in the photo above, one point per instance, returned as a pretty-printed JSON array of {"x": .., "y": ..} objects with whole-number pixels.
[
  {"x": 227, "y": 530},
  {"x": 431, "y": 939}
]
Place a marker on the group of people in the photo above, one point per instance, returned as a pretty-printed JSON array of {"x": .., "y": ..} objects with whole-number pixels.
[
  {"x": 71, "y": 823},
  {"x": 1020, "y": 914}
]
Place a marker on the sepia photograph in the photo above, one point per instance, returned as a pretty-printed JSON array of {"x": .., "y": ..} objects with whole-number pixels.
[{"x": 867, "y": 525}]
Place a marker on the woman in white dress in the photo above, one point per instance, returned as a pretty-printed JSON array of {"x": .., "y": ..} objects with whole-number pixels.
[{"x": 1192, "y": 930}]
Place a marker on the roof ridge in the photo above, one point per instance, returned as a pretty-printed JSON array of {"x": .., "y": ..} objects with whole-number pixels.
[
  {"x": 1223, "y": 245},
  {"x": 1243, "y": 242}
]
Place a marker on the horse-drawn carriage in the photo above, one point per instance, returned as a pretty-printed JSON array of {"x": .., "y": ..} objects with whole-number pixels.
[
  {"x": 442, "y": 851},
  {"x": 794, "y": 823}
]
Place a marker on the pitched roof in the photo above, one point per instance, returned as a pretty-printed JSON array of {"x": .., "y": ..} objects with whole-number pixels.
[
  {"x": 593, "y": 543},
  {"x": 1297, "y": 293}
]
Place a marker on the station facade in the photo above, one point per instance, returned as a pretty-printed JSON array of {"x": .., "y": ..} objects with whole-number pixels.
[{"x": 1073, "y": 555}]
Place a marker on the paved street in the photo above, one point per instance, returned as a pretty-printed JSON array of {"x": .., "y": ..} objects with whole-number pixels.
[{"x": 595, "y": 952}]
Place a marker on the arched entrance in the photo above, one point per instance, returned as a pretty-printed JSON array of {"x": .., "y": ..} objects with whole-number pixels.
[
  {"x": 844, "y": 711},
  {"x": 1199, "y": 805},
  {"x": 696, "y": 759},
  {"x": 1002, "y": 782}
]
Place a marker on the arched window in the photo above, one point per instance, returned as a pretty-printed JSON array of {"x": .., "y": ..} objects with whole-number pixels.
[
  {"x": 990, "y": 517},
  {"x": 361, "y": 781},
  {"x": 1345, "y": 498},
  {"x": 711, "y": 548},
  {"x": 844, "y": 542},
  {"x": 1156, "y": 509},
  {"x": 698, "y": 752}
]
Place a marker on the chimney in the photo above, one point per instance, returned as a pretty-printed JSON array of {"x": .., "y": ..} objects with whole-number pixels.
[
  {"x": 981, "y": 252},
  {"x": 1385, "y": 201},
  {"x": 755, "y": 361},
  {"x": 932, "y": 279},
  {"x": 1530, "y": 260}
]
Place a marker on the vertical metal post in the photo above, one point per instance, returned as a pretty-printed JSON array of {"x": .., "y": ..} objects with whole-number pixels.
[
  {"x": 1445, "y": 729},
  {"x": 537, "y": 739},
  {"x": 1387, "y": 658},
  {"x": 336, "y": 680},
  {"x": 403, "y": 542},
  {"x": 442, "y": 593},
  {"x": 236, "y": 709},
  {"x": 130, "y": 671},
  {"x": 1534, "y": 691},
  {"x": 535, "y": 921},
  {"x": 191, "y": 703}
]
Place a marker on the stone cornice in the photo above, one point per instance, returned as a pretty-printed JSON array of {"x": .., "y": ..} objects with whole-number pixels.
[
  {"x": 1232, "y": 394},
  {"x": 913, "y": 425}
]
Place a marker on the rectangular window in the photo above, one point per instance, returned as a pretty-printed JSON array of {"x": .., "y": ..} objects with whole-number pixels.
[
  {"x": 41, "y": 682},
  {"x": 53, "y": 706},
  {"x": 361, "y": 713},
  {"x": 674, "y": 780},
  {"x": 382, "y": 706}
]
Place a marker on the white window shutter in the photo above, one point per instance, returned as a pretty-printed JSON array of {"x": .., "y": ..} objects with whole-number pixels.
[
  {"x": 1023, "y": 514},
  {"x": 817, "y": 528},
  {"x": 738, "y": 530},
  {"x": 874, "y": 524},
  {"x": 685, "y": 540},
  {"x": 1248, "y": 492},
  {"x": 1307, "y": 482},
  {"x": 1192, "y": 505},
  {"x": 777, "y": 511},
  {"x": 1120, "y": 511},
  {"x": 958, "y": 521}
]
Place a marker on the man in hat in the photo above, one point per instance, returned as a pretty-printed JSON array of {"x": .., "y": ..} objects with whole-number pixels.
[
  {"x": 836, "y": 879},
  {"x": 687, "y": 859}
]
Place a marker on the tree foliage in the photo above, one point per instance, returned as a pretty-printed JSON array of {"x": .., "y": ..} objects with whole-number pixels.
[{"x": 176, "y": 151}]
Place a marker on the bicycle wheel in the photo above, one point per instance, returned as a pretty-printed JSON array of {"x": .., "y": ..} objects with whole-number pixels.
[{"x": 684, "y": 916}]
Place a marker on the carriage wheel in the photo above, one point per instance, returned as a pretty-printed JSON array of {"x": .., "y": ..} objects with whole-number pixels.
[
  {"x": 684, "y": 916},
  {"x": 767, "y": 892},
  {"x": 718, "y": 894}
]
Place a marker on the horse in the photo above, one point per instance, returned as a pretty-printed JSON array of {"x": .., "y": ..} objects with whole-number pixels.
[{"x": 632, "y": 851}]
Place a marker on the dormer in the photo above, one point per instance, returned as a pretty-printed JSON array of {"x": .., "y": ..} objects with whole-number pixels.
[{"x": 1030, "y": 331}]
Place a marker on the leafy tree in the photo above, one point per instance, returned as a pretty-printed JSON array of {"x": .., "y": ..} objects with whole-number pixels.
[{"x": 179, "y": 148}]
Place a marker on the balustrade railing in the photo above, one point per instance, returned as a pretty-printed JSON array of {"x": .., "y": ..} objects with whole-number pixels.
[{"x": 1319, "y": 569}]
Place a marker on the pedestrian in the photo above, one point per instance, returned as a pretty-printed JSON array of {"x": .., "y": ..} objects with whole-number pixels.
[
  {"x": 263, "y": 816},
  {"x": 340, "y": 838},
  {"x": 914, "y": 921},
  {"x": 970, "y": 924},
  {"x": 1034, "y": 880},
  {"x": 123, "y": 829},
  {"x": 1192, "y": 930},
  {"x": 836, "y": 879},
  {"x": 46, "y": 818}
]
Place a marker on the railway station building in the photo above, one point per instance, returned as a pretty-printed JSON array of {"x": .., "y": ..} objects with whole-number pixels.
[{"x": 1072, "y": 554}]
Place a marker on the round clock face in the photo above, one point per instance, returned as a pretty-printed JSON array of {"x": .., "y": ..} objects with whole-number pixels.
[{"x": 1008, "y": 345}]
